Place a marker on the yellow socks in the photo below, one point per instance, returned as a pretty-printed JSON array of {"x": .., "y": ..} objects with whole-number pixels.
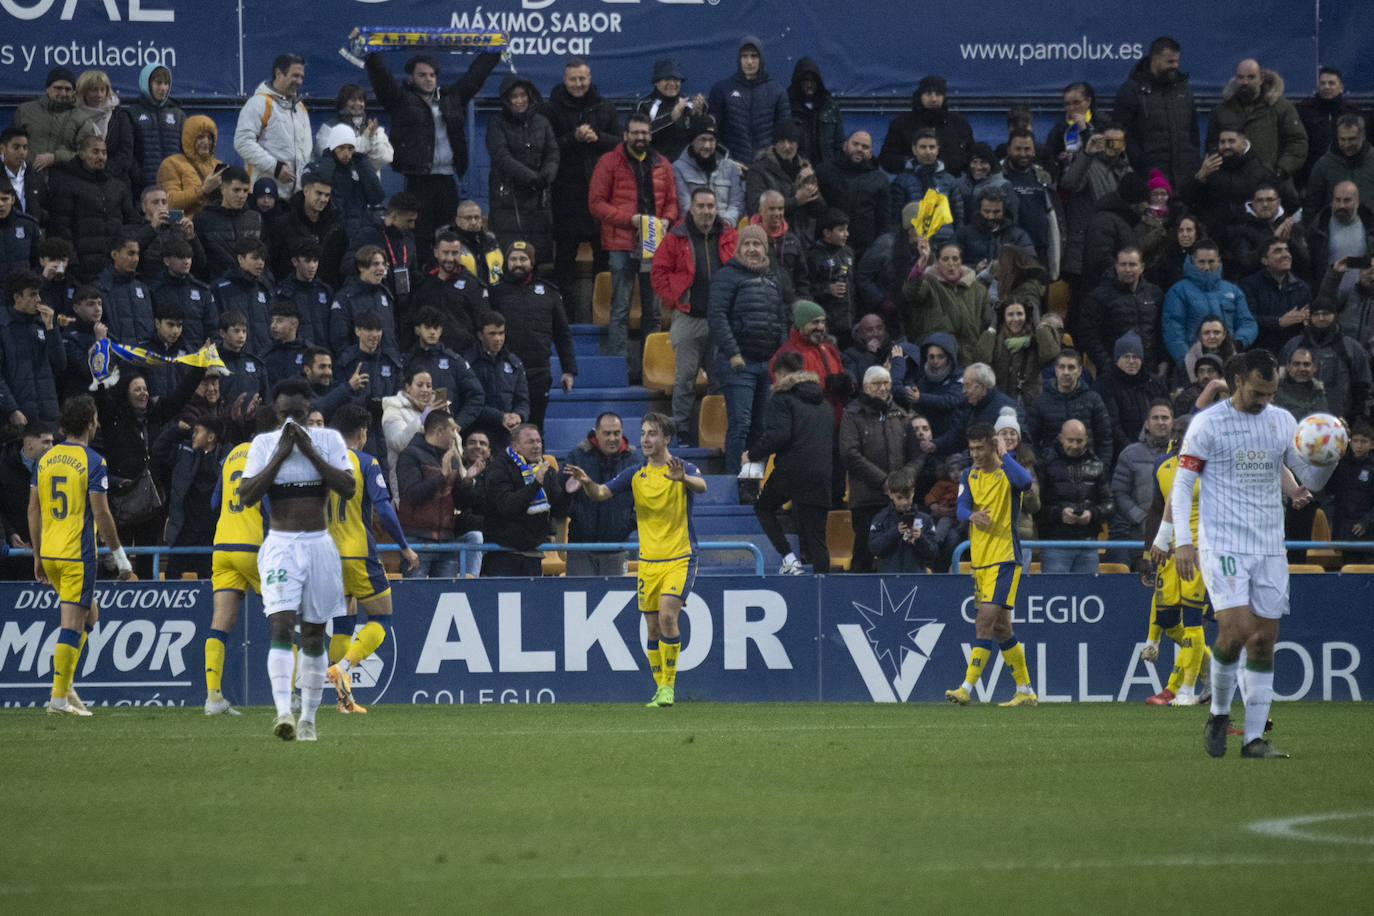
[
  {"x": 655, "y": 661},
  {"x": 977, "y": 660},
  {"x": 64, "y": 657},
  {"x": 214, "y": 659},
  {"x": 342, "y": 638},
  {"x": 669, "y": 646},
  {"x": 1015, "y": 656},
  {"x": 1196, "y": 642},
  {"x": 372, "y": 635}
]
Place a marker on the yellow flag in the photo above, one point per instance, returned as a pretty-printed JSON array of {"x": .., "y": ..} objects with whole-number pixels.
[
  {"x": 207, "y": 356},
  {"x": 933, "y": 214}
]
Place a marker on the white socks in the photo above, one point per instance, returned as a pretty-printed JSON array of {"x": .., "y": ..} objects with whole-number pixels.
[
  {"x": 1224, "y": 685},
  {"x": 313, "y": 668},
  {"x": 281, "y": 664},
  {"x": 1259, "y": 693}
]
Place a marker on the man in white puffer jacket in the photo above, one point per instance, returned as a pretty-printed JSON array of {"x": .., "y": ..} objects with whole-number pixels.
[{"x": 273, "y": 134}]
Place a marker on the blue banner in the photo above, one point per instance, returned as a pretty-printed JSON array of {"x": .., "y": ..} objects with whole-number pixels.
[
  {"x": 745, "y": 638},
  {"x": 993, "y": 48}
]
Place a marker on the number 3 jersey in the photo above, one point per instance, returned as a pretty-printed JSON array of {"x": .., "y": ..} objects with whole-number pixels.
[
  {"x": 1240, "y": 458},
  {"x": 63, "y": 477},
  {"x": 240, "y": 527}
]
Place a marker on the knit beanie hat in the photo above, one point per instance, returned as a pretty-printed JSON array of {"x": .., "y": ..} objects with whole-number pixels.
[
  {"x": 1210, "y": 358},
  {"x": 1129, "y": 343},
  {"x": 340, "y": 135},
  {"x": 787, "y": 130},
  {"x": 264, "y": 187},
  {"x": 933, "y": 83},
  {"x": 519, "y": 245},
  {"x": 983, "y": 151},
  {"x": 804, "y": 311},
  {"x": 705, "y": 124},
  {"x": 59, "y": 73},
  {"x": 666, "y": 69},
  {"x": 1157, "y": 180},
  {"x": 1006, "y": 419},
  {"x": 752, "y": 232}
]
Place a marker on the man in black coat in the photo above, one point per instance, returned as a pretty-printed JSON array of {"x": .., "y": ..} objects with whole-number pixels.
[
  {"x": 928, "y": 109},
  {"x": 799, "y": 428},
  {"x": 89, "y": 206},
  {"x": 585, "y": 126},
  {"x": 852, "y": 183},
  {"x": 221, "y": 226},
  {"x": 32, "y": 355},
  {"x": 415, "y": 106},
  {"x": 502, "y": 374},
  {"x": 1155, "y": 105},
  {"x": 521, "y": 505},
  {"x": 310, "y": 216},
  {"x": 453, "y": 291},
  {"x": 536, "y": 323},
  {"x": 1075, "y": 499},
  {"x": 1226, "y": 180}
]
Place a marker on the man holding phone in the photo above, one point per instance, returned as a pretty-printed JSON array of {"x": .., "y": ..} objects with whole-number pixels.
[
  {"x": 158, "y": 228},
  {"x": 1087, "y": 179}
]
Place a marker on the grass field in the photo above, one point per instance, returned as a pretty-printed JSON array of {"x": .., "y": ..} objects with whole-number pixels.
[{"x": 701, "y": 808}]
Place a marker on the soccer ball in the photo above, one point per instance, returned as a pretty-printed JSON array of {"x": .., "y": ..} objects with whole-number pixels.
[{"x": 1321, "y": 439}]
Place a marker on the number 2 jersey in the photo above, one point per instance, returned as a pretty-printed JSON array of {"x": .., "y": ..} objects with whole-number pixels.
[{"x": 63, "y": 477}]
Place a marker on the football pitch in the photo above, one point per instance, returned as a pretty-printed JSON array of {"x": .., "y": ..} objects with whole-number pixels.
[{"x": 700, "y": 808}]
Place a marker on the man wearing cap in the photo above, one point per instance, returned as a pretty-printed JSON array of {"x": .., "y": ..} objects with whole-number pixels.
[
  {"x": 673, "y": 118},
  {"x": 1342, "y": 364},
  {"x": 706, "y": 164},
  {"x": 1113, "y": 226},
  {"x": 780, "y": 168},
  {"x": 631, "y": 182},
  {"x": 535, "y": 324},
  {"x": 584, "y": 124},
  {"x": 810, "y": 339},
  {"x": 273, "y": 134},
  {"x": 55, "y": 126},
  {"x": 428, "y": 131},
  {"x": 928, "y": 109},
  {"x": 263, "y": 197},
  {"x": 854, "y": 184},
  {"x": 748, "y": 104}
]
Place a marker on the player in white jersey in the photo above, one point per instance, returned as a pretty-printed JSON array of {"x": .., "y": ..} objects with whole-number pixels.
[
  {"x": 298, "y": 563},
  {"x": 1238, "y": 450}
]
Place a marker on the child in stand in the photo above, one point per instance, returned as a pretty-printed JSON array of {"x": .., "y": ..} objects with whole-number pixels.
[
  {"x": 902, "y": 537},
  {"x": 942, "y": 502}
]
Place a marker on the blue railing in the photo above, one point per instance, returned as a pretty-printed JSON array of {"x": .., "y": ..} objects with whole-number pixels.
[
  {"x": 963, "y": 547},
  {"x": 462, "y": 549}
]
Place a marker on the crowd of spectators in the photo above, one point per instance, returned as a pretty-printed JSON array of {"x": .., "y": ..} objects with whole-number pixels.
[{"x": 851, "y": 341}]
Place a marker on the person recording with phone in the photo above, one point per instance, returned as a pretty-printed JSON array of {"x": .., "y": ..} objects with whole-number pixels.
[{"x": 902, "y": 537}]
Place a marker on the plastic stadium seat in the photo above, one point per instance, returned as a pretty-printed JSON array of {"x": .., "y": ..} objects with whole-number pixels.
[
  {"x": 1034, "y": 567},
  {"x": 711, "y": 422},
  {"x": 1113, "y": 568},
  {"x": 601, "y": 301},
  {"x": 1321, "y": 531},
  {"x": 1358, "y": 568},
  {"x": 1294, "y": 568},
  {"x": 556, "y": 561},
  {"x": 659, "y": 362},
  {"x": 839, "y": 538}
]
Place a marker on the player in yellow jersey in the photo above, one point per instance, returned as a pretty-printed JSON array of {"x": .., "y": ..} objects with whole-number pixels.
[
  {"x": 234, "y": 565},
  {"x": 67, "y": 503},
  {"x": 990, "y": 501},
  {"x": 365, "y": 582},
  {"x": 1177, "y": 608},
  {"x": 663, "y": 489}
]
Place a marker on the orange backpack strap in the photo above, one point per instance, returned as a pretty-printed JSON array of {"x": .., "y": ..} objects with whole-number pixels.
[{"x": 266, "y": 113}]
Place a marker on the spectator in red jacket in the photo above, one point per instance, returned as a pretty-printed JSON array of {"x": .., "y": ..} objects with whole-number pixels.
[
  {"x": 631, "y": 181},
  {"x": 704, "y": 239}
]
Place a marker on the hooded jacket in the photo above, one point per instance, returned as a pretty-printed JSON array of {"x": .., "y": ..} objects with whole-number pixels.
[
  {"x": 524, "y": 163},
  {"x": 611, "y": 520},
  {"x": 820, "y": 118},
  {"x": 412, "y": 119},
  {"x": 88, "y": 209},
  {"x": 613, "y": 196},
  {"x": 1160, "y": 118},
  {"x": 746, "y": 110},
  {"x": 1270, "y": 122},
  {"x": 799, "y": 429},
  {"x": 1194, "y": 297},
  {"x": 724, "y": 179},
  {"x": 748, "y": 313},
  {"x": 157, "y": 130},
  {"x": 932, "y": 304},
  {"x": 182, "y": 175},
  {"x": 941, "y": 398},
  {"x": 953, "y": 131},
  {"x": 577, "y": 160},
  {"x": 267, "y": 139}
]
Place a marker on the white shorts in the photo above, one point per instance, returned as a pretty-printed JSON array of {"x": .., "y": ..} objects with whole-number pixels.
[
  {"x": 1257, "y": 580},
  {"x": 300, "y": 570}
]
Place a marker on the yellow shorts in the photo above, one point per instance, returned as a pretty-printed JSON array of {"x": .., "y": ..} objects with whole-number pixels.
[
  {"x": 997, "y": 584},
  {"x": 665, "y": 577},
  {"x": 1170, "y": 591},
  {"x": 234, "y": 570},
  {"x": 364, "y": 579},
  {"x": 73, "y": 579}
]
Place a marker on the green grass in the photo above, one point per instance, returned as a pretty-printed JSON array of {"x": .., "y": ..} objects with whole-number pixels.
[{"x": 703, "y": 808}]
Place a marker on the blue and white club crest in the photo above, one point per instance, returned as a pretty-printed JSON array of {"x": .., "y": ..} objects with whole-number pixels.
[{"x": 891, "y": 647}]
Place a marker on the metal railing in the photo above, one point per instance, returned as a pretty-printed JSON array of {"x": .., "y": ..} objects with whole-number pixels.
[
  {"x": 459, "y": 547},
  {"x": 963, "y": 547}
]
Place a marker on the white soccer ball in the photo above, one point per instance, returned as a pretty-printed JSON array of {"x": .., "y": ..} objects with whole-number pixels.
[{"x": 1321, "y": 439}]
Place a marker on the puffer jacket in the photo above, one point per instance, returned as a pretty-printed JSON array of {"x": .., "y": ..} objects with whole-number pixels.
[
  {"x": 19, "y": 241},
  {"x": 237, "y": 291},
  {"x": 1112, "y": 228},
  {"x": 800, "y": 430},
  {"x": 613, "y": 196},
  {"x": 1111, "y": 310},
  {"x": 128, "y": 305},
  {"x": 724, "y": 180},
  {"x": 524, "y": 163},
  {"x": 220, "y": 230},
  {"x": 747, "y": 109},
  {"x": 1019, "y": 373},
  {"x": 357, "y": 192},
  {"x": 912, "y": 183},
  {"x": 153, "y": 241},
  {"x": 821, "y": 120},
  {"x": 88, "y": 209},
  {"x": 875, "y": 440},
  {"x": 353, "y": 299},
  {"x": 1269, "y": 301},
  {"x": 157, "y": 131},
  {"x": 1222, "y": 197},
  {"x": 182, "y": 175},
  {"x": 504, "y": 385},
  {"x": 312, "y": 299},
  {"x": 1048, "y": 413},
  {"x": 188, "y": 476},
  {"x": 1079, "y": 483},
  {"x": 197, "y": 302},
  {"x": 577, "y": 160},
  {"x": 1194, "y": 297},
  {"x": 930, "y": 304},
  {"x": 286, "y": 138},
  {"x": 1160, "y": 118},
  {"x": 610, "y": 520},
  {"x": 861, "y": 191},
  {"x": 1133, "y": 480},
  {"x": 748, "y": 313},
  {"x": 769, "y": 173},
  {"x": 674, "y": 268},
  {"x": 412, "y": 119},
  {"x": 32, "y": 361},
  {"x": 1271, "y": 124},
  {"x": 53, "y": 128},
  {"x": 536, "y": 324},
  {"x": 1128, "y": 399},
  {"x": 982, "y": 241},
  {"x": 941, "y": 398},
  {"x": 956, "y": 137},
  {"x": 451, "y": 372}
]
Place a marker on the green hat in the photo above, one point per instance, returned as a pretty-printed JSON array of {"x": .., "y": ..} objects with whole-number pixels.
[{"x": 804, "y": 311}]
